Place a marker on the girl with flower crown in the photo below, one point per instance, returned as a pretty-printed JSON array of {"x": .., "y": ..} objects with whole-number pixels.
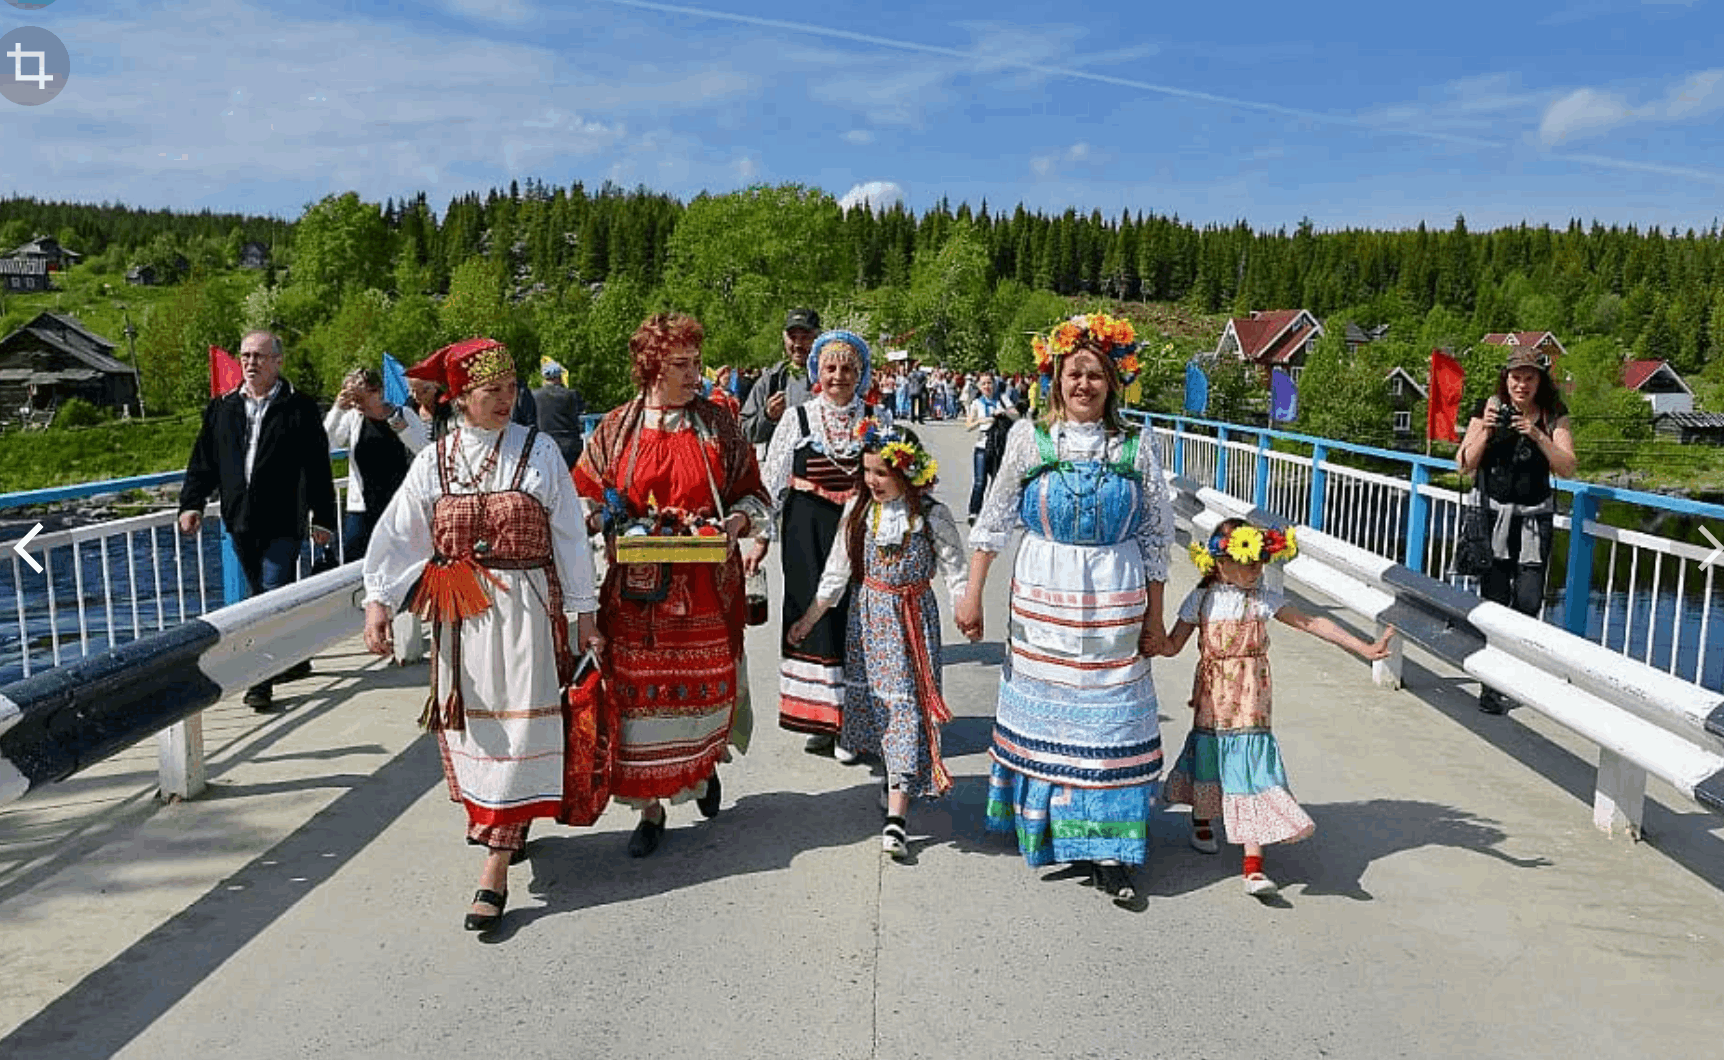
[
  {"x": 892, "y": 537},
  {"x": 1077, "y": 740},
  {"x": 1231, "y": 764}
]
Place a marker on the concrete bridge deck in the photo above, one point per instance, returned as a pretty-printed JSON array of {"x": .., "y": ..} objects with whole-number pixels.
[{"x": 1455, "y": 900}]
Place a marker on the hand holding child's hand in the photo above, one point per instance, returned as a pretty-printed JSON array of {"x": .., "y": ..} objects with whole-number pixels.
[
  {"x": 799, "y": 630},
  {"x": 1379, "y": 649},
  {"x": 1152, "y": 642}
]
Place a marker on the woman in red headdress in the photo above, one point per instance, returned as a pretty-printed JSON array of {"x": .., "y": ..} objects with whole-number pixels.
[
  {"x": 485, "y": 540},
  {"x": 675, "y": 629}
]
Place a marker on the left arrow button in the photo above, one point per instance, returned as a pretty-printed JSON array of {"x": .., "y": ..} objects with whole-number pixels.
[{"x": 23, "y": 543}]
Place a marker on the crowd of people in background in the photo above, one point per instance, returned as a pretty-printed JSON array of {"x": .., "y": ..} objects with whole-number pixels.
[{"x": 485, "y": 513}]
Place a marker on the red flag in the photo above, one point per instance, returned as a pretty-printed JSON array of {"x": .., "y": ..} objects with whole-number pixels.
[
  {"x": 1447, "y": 377},
  {"x": 225, "y": 374}
]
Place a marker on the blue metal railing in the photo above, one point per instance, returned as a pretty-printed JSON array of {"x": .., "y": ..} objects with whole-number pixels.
[{"x": 1581, "y": 609}]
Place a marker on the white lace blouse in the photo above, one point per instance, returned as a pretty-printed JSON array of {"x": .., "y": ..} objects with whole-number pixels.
[
  {"x": 829, "y": 425},
  {"x": 1076, "y": 441},
  {"x": 896, "y": 524}
]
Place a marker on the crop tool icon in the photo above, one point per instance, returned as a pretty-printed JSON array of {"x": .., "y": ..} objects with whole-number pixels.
[{"x": 41, "y": 76}]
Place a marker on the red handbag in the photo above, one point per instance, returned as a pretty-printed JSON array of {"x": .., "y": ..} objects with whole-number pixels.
[{"x": 592, "y": 726}]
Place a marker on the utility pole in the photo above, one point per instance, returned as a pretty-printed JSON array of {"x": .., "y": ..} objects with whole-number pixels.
[{"x": 131, "y": 334}]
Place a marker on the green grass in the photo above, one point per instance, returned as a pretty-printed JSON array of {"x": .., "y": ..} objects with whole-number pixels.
[
  {"x": 61, "y": 457},
  {"x": 102, "y": 300}
]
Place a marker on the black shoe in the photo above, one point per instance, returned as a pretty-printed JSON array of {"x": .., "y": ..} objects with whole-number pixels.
[
  {"x": 707, "y": 804},
  {"x": 821, "y": 743},
  {"x": 1116, "y": 881},
  {"x": 486, "y": 921},
  {"x": 646, "y": 837},
  {"x": 1493, "y": 702},
  {"x": 296, "y": 672},
  {"x": 260, "y": 699}
]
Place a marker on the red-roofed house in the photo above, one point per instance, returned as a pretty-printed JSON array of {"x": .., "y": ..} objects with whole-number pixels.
[
  {"x": 1542, "y": 341},
  {"x": 1659, "y": 384},
  {"x": 1277, "y": 338}
]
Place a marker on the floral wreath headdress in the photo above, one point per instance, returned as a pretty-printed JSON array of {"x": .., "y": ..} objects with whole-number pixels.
[
  {"x": 1245, "y": 544},
  {"x": 1114, "y": 337},
  {"x": 900, "y": 452}
]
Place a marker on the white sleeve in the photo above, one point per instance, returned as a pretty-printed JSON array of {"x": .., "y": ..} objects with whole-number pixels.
[
  {"x": 570, "y": 547},
  {"x": 401, "y": 542},
  {"x": 836, "y": 577},
  {"x": 775, "y": 472},
  {"x": 338, "y": 424},
  {"x": 949, "y": 549},
  {"x": 1191, "y": 610},
  {"x": 1155, "y": 525},
  {"x": 414, "y": 436},
  {"x": 999, "y": 515}
]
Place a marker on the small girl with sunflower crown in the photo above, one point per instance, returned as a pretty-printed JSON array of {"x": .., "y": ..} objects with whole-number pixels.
[
  {"x": 892, "y": 536},
  {"x": 1231, "y": 764}
]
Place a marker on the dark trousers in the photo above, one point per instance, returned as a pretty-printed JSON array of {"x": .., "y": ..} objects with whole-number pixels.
[
  {"x": 356, "y": 535},
  {"x": 268, "y": 563},
  {"x": 979, "y": 481},
  {"x": 1513, "y": 585}
]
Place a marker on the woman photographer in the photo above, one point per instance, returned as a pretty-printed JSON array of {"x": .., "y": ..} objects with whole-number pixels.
[{"x": 1517, "y": 439}]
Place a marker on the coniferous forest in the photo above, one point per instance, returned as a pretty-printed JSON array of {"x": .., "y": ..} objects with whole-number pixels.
[{"x": 569, "y": 272}]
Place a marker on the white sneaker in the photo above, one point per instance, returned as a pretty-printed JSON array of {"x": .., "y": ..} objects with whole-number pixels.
[
  {"x": 894, "y": 842},
  {"x": 1258, "y": 885},
  {"x": 844, "y": 755}
]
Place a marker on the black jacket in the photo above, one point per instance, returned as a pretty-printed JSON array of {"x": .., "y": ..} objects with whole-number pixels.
[
  {"x": 559, "y": 410},
  {"x": 289, "y": 478}
]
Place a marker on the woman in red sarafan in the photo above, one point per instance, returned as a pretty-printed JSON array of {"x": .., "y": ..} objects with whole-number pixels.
[{"x": 675, "y": 629}]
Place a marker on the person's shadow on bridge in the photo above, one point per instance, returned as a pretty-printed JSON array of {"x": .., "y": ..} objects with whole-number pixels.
[{"x": 574, "y": 870}]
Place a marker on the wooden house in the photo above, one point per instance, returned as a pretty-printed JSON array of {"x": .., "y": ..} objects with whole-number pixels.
[
  {"x": 254, "y": 255},
  {"x": 47, "y": 249},
  {"x": 1405, "y": 393},
  {"x": 22, "y": 275},
  {"x": 1278, "y": 338},
  {"x": 1659, "y": 384},
  {"x": 52, "y": 358}
]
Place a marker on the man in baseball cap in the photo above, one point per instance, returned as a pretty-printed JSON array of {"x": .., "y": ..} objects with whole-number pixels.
[{"x": 785, "y": 385}]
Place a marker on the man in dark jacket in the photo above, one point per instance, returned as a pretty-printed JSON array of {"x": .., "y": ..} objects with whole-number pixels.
[
  {"x": 263, "y": 449},
  {"x": 560, "y": 410},
  {"x": 785, "y": 385}
]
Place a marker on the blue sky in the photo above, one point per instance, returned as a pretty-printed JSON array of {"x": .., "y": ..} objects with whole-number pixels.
[{"x": 1352, "y": 114}]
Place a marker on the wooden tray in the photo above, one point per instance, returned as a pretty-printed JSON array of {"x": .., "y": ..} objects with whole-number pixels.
[{"x": 642, "y": 549}]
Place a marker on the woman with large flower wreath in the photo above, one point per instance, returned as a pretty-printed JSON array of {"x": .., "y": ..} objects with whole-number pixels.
[
  {"x": 812, "y": 469},
  {"x": 894, "y": 536},
  {"x": 483, "y": 539},
  {"x": 675, "y": 629},
  {"x": 1077, "y": 742}
]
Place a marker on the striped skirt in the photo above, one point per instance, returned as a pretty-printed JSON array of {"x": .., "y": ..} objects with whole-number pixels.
[{"x": 1077, "y": 710}]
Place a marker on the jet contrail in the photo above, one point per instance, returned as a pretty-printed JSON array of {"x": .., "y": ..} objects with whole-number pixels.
[{"x": 1175, "y": 92}]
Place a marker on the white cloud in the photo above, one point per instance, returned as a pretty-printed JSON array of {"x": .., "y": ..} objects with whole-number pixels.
[
  {"x": 1591, "y": 112},
  {"x": 1583, "y": 112},
  {"x": 860, "y": 137},
  {"x": 1078, "y": 155},
  {"x": 183, "y": 121},
  {"x": 876, "y": 194},
  {"x": 512, "y": 12}
]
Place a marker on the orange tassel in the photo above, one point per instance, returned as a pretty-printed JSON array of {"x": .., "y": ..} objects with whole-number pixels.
[{"x": 453, "y": 591}]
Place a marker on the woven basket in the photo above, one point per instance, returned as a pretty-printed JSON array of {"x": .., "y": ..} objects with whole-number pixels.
[{"x": 642, "y": 549}]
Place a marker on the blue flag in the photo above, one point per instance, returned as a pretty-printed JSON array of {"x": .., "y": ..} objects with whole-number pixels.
[
  {"x": 1196, "y": 389},
  {"x": 394, "y": 381},
  {"x": 1283, "y": 397}
]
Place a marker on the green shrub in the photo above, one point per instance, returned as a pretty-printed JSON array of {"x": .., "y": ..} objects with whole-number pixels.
[{"x": 76, "y": 412}]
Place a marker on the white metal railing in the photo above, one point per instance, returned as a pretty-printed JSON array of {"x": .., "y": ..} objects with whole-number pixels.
[{"x": 111, "y": 582}]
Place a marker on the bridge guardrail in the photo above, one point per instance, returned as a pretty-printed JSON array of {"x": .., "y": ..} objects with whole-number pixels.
[{"x": 1642, "y": 719}]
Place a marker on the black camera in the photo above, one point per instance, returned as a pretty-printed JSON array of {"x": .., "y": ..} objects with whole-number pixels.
[{"x": 1505, "y": 419}]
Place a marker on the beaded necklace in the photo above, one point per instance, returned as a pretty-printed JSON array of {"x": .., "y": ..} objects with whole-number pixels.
[{"x": 475, "y": 477}]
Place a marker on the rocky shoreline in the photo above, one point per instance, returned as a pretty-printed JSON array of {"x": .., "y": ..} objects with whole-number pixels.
[{"x": 68, "y": 515}]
